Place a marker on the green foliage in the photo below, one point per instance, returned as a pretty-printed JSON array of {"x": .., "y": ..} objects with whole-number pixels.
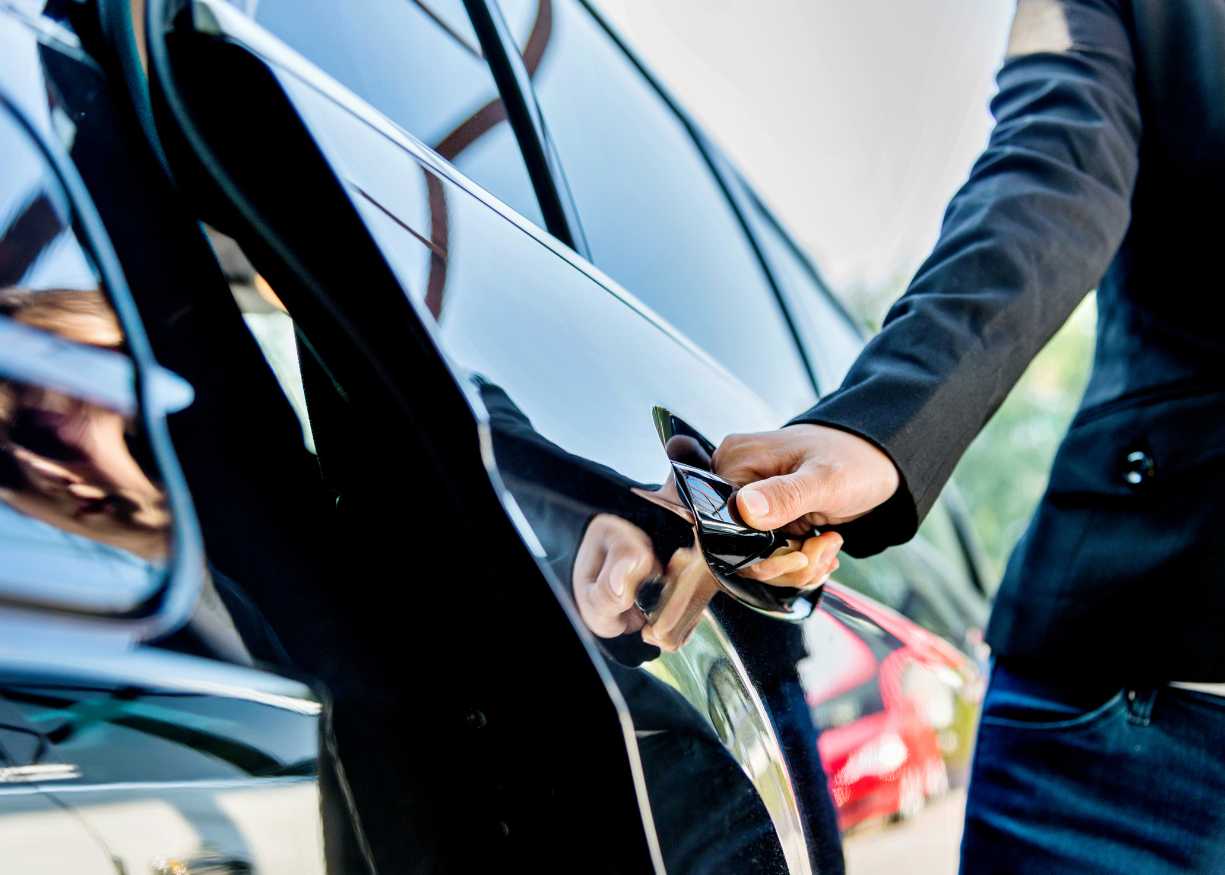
[{"x": 1003, "y": 474}]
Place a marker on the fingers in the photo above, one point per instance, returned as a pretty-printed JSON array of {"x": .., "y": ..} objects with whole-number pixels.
[
  {"x": 777, "y": 501},
  {"x": 689, "y": 590},
  {"x": 743, "y": 458},
  {"x": 624, "y": 567},
  {"x": 822, "y": 553},
  {"x": 815, "y": 561},
  {"x": 613, "y": 560},
  {"x": 784, "y": 561},
  {"x": 821, "y": 474}
]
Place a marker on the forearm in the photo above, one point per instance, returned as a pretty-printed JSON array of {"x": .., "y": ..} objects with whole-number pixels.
[{"x": 1029, "y": 234}]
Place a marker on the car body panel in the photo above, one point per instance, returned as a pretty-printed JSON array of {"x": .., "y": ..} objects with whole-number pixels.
[{"x": 167, "y": 757}]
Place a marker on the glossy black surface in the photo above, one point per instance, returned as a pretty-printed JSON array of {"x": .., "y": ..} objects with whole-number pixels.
[
  {"x": 451, "y": 763},
  {"x": 419, "y": 63},
  {"x": 573, "y": 446},
  {"x": 656, "y": 217},
  {"x": 568, "y": 368}
]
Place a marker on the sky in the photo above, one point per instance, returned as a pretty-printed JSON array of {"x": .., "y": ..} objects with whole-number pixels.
[{"x": 856, "y": 120}]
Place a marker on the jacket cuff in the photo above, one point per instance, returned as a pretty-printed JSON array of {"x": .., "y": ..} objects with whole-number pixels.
[{"x": 895, "y": 521}]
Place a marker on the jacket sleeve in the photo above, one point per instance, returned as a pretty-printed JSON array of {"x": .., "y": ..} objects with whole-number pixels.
[{"x": 1031, "y": 231}]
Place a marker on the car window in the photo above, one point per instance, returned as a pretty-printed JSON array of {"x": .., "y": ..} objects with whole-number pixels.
[
  {"x": 419, "y": 63},
  {"x": 832, "y": 340},
  {"x": 84, "y": 519},
  {"x": 655, "y": 216}
]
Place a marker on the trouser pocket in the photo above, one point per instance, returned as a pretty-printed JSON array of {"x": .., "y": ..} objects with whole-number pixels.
[{"x": 1023, "y": 701}]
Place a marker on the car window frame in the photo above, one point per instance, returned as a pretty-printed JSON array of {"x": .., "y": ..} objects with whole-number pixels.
[{"x": 513, "y": 81}]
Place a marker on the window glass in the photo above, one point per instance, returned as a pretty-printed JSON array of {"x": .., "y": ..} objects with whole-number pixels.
[
  {"x": 84, "y": 521},
  {"x": 831, "y": 338},
  {"x": 419, "y": 63},
  {"x": 654, "y": 214}
]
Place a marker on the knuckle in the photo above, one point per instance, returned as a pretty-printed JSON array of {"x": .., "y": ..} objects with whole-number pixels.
[
  {"x": 734, "y": 450},
  {"x": 789, "y": 493}
]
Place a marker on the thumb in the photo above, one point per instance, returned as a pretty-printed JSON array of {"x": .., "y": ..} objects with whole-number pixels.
[{"x": 776, "y": 501}]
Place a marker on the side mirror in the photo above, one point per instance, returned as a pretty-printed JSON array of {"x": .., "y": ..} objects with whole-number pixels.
[{"x": 95, "y": 521}]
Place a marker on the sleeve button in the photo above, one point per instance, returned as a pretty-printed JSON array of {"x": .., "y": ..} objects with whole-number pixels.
[{"x": 1138, "y": 468}]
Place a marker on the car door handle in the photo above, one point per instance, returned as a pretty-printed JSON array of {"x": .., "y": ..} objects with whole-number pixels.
[{"x": 727, "y": 544}]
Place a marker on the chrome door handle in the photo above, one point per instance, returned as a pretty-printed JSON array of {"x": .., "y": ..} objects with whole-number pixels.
[{"x": 727, "y": 544}]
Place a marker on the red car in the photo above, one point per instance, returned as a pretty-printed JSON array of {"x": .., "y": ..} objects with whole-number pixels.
[{"x": 893, "y": 718}]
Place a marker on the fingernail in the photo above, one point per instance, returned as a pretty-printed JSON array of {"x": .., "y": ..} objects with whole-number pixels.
[{"x": 754, "y": 502}]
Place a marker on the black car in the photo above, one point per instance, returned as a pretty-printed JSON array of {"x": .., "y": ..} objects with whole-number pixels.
[{"x": 330, "y": 335}]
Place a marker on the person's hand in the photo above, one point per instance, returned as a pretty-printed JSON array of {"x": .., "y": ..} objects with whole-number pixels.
[
  {"x": 799, "y": 564},
  {"x": 799, "y": 478},
  {"x": 613, "y": 560},
  {"x": 688, "y": 588}
]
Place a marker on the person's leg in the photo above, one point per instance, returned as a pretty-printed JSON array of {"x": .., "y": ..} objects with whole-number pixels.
[{"x": 1079, "y": 780}]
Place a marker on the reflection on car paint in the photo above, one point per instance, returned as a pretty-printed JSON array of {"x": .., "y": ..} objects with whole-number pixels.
[
  {"x": 167, "y": 775},
  {"x": 83, "y": 519}
]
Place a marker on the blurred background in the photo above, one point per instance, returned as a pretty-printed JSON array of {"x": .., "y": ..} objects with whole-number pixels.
[{"x": 857, "y": 122}]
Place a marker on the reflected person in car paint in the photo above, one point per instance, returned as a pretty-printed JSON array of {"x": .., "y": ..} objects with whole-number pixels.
[
  {"x": 69, "y": 462},
  {"x": 594, "y": 525}
]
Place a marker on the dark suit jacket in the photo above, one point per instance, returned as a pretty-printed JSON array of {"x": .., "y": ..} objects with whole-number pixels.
[{"x": 1106, "y": 168}]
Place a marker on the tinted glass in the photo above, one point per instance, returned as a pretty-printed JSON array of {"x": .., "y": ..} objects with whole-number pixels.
[
  {"x": 419, "y": 63},
  {"x": 832, "y": 340},
  {"x": 83, "y": 518},
  {"x": 656, "y": 218}
]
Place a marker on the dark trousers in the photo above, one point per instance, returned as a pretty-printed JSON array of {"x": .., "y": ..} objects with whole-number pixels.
[{"x": 1085, "y": 779}]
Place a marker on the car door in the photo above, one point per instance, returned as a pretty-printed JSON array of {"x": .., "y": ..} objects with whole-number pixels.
[
  {"x": 569, "y": 369},
  {"x": 135, "y": 733},
  {"x": 35, "y": 830},
  {"x": 511, "y": 305},
  {"x": 666, "y": 214}
]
